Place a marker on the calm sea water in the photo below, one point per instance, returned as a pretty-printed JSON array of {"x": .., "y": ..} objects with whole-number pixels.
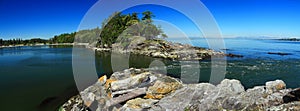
[{"x": 41, "y": 78}]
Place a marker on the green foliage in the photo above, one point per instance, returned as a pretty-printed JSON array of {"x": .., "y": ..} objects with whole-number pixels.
[
  {"x": 19, "y": 41},
  {"x": 129, "y": 24},
  {"x": 187, "y": 108},
  {"x": 35, "y": 41},
  {"x": 82, "y": 36},
  {"x": 88, "y": 36},
  {"x": 116, "y": 25},
  {"x": 148, "y": 16},
  {"x": 63, "y": 38},
  {"x": 1, "y": 42}
]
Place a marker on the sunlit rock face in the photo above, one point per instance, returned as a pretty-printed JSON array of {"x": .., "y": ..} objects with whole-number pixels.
[{"x": 142, "y": 89}]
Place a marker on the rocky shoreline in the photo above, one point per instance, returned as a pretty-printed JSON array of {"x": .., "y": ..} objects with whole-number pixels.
[
  {"x": 164, "y": 49},
  {"x": 142, "y": 89}
]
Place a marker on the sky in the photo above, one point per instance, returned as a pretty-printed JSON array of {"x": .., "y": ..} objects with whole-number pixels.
[
  {"x": 41, "y": 18},
  {"x": 235, "y": 18}
]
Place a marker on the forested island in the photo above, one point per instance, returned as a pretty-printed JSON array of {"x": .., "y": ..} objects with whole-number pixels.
[
  {"x": 117, "y": 25},
  {"x": 20, "y": 41}
]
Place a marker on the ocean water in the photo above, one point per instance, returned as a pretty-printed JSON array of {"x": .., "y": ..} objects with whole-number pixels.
[
  {"x": 41, "y": 77},
  {"x": 257, "y": 66}
]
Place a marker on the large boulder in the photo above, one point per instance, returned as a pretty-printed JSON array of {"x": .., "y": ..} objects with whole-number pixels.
[
  {"x": 131, "y": 82},
  {"x": 233, "y": 86},
  {"x": 274, "y": 86},
  {"x": 186, "y": 96},
  {"x": 223, "y": 97},
  {"x": 138, "y": 104},
  {"x": 160, "y": 89}
]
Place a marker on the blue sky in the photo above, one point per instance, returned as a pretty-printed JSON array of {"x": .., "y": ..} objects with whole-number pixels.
[
  {"x": 41, "y": 18},
  {"x": 256, "y": 17},
  {"x": 236, "y": 18}
]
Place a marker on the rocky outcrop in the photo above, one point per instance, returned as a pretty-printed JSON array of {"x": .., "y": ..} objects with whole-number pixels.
[
  {"x": 74, "y": 104},
  {"x": 141, "y": 89},
  {"x": 279, "y": 53},
  {"x": 234, "y": 55},
  {"x": 164, "y": 49},
  {"x": 292, "y": 96},
  {"x": 289, "y": 39},
  {"x": 295, "y": 106}
]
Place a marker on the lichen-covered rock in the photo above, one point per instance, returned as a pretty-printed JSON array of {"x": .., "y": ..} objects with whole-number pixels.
[
  {"x": 127, "y": 73},
  {"x": 274, "y": 86},
  {"x": 142, "y": 89},
  {"x": 102, "y": 80},
  {"x": 130, "y": 82},
  {"x": 74, "y": 104},
  {"x": 160, "y": 89},
  {"x": 139, "y": 103}
]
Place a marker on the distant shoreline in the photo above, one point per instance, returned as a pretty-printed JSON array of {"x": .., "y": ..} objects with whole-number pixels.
[
  {"x": 289, "y": 39},
  {"x": 40, "y": 44}
]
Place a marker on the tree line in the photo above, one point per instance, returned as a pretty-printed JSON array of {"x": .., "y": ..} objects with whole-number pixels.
[
  {"x": 116, "y": 26},
  {"x": 19, "y": 41}
]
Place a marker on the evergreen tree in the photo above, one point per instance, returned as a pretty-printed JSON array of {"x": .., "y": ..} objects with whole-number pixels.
[
  {"x": 147, "y": 17},
  {"x": 129, "y": 24},
  {"x": 1, "y": 42}
]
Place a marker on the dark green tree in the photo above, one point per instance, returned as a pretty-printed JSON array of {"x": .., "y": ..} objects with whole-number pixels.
[
  {"x": 1, "y": 42},
  {"x": 135, "y": 16},
  {"x": 147, "y": 17},
  {"x": 128, "y": 25}
]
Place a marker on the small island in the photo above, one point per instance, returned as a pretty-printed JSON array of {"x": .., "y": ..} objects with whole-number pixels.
[{"x": 289, "y": 39}]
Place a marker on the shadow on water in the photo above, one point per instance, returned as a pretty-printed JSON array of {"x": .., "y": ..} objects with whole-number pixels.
[
  {"x": 105, "y": 67},
  {"x": 54, "y": 103}
]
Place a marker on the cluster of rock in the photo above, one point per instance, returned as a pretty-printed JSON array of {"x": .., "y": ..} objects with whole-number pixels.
[
  {"x": 279, "y": 53},
  {"x": 164, "y": 49},
  {"x": 289, "y": 39},
  {"x": 141, "y": 89}
]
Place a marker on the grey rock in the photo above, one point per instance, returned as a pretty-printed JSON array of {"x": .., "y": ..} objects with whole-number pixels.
[
  {"x": 233, "y": 86},
  {"x": 74, "y": 104},
  {"x": 274, "y": 86},
  {"x": 185, "y": 96},
  {"x": 138, "y": 104},
  {"x": 130, "y": 82},
  {"x": 294, "y": 106},
  {"x": 142, "y": 89}
]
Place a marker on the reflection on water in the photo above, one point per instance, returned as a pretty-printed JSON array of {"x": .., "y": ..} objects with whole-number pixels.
[
  {"x": 35, "y": 78},
  {"x": 41, "y": 78},
  {"x": 8, "y": 52}
]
